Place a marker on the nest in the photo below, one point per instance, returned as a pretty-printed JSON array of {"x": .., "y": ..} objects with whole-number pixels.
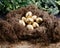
[{"x": 12, "y": 31}]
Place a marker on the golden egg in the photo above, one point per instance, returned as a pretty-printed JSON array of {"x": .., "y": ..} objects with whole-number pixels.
[
  {"x": 30, "y": 27},
  {"x": 35, "y": 25},
  {"x": 22, "y": 22},
  {"x": 24, "y": 19},
  {"x": 29, "y": 14},
  {"x": 29, "y": 20},
  {"x": 34, "y": 17},
  {"x": 38, "y": 20}
]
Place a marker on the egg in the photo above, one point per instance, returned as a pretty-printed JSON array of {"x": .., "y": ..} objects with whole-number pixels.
[
  {"x": 34, "y": 17},
  {"x": 29, "y": 20},
  {"x": 38, "y": 20},
  {"x": 24, "y": 19},
  {"x": 30, "y": 27},
  {"x": 22, "y": 22},
  {"x": 29, "y": 14},
  {"x": 35, "y": 25},
  {"x": 29, "y": 23}
]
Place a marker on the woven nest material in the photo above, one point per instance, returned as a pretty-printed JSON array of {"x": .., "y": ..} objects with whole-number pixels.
[{"x": 48, "y": 31}]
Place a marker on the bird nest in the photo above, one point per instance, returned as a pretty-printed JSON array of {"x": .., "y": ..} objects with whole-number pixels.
[{"x": 14, "y": 28}]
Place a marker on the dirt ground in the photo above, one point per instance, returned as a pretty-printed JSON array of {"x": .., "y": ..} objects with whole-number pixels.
[{"x": 29, "y": 45}]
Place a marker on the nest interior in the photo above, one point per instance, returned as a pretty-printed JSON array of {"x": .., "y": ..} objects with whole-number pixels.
[{"x": 12, "y": 31}]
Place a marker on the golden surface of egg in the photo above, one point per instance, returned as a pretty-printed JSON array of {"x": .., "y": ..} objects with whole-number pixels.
[
  {"x": 35, "y": 25},
  {"x": 34, "y": 17},
  {"x": 29, "y": 14},
  {"x": 29, "y": 20},
  {"x": 30, "y": 27},
  {"x": 38, "y": 20},
  {"x": 24, "y": 19},
  {"x": 22, "y": 22}
]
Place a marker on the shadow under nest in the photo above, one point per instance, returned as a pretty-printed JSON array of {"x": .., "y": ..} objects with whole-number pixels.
[{"x": 12, "y": 31}]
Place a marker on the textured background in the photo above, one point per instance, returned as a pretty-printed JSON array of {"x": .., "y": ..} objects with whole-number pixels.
[{"x": 28, "y": 45}]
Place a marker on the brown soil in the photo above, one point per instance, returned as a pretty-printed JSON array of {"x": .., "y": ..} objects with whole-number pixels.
[{"x": 11, "y": 31}]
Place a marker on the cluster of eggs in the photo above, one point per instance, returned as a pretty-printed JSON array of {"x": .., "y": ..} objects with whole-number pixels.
[{"x": 30, "y": 21}]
